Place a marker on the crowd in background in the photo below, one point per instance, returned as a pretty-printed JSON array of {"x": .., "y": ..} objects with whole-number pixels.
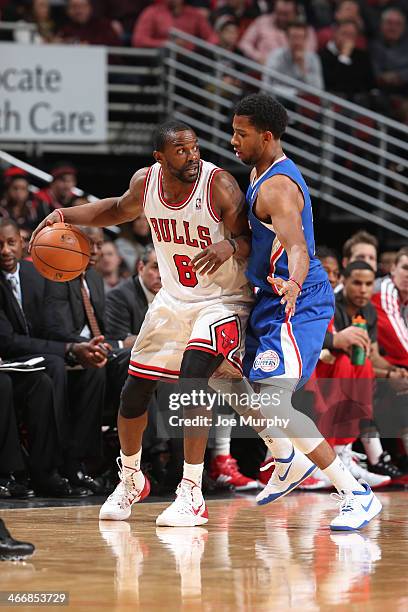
[
  {"x": 58, "y": 426},
  {"x": 357, "y": 49}
]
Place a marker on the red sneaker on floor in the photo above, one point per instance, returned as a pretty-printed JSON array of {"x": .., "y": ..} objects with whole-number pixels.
[
  {"x": 265, "y": 471},
  {"x": 224, "y": 469}
]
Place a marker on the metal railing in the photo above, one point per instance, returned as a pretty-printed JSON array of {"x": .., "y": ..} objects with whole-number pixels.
[{"x": 352, "y": 157}]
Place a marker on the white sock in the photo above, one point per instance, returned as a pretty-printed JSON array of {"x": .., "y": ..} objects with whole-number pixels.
[
  {"x": 194, "y": 472},
  {"x": 132, "y": 462},
  {"x": 373, "y": 448},
  {"x": 341, "y": 478},
  {"x": 279, "y": 447}
]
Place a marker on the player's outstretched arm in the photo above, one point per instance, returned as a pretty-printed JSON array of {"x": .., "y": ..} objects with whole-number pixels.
[
  {"x": 280, "y": 199},
  {"x": 109, "y": 211},
  {"x": 229, "y": 203}
]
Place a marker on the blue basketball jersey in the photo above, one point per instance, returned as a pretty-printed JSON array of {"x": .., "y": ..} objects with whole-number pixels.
[{"x": 268, "y": 257}]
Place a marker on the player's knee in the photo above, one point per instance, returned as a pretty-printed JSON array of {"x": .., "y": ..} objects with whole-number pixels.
[
  {"x": 198, "y": 364},
  {"x": 275, "y": 399},
  {"x": 135, "y": 396}
]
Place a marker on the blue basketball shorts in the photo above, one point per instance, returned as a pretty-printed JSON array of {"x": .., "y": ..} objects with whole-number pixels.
[{"x": 287, "y": 347}]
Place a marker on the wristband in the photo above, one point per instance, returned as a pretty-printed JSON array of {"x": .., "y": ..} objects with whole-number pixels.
[
  {"x": 233, "y": 243},
  {"x": 296, "y": 283},
  {"x": 61, "y": 215}
]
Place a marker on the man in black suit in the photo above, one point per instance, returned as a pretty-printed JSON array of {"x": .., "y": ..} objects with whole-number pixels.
[
  {"x": 75, "y": 312},
  {"x": 127, "y": 304},
  {"x": 23, "y": 335}
]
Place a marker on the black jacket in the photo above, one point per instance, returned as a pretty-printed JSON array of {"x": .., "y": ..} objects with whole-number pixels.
[
  {"x": 126, "y": 308},
  {"x": 64, "y": 309},
  {"x": 343, "y": 320},
  {"x": 24, "y": 333}
]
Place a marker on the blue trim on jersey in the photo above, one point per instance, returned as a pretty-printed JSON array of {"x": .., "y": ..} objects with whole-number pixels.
[{"x": 267, "y": 255}]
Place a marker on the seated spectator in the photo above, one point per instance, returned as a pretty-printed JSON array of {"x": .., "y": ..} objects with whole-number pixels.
[
  {"x": 84, "y": 27},
  {"x": 59, "y": 192},
  {"x": 28, "y": 398},
  {"x": 386, "y": 262},
  {"x": 330, "y": 263},
  {"x": 132, "y": 241},
  {"x": 294, "y": 61},
  {"x": 242, "y": 11},
  {"x": 152, "y": 29},
  {"x": 390, "y": 53},
  {"x": 23, "y": 333},
  {"x": 109, "y": 266},
  {"x": 390, "y": 303},
  {"x": 75, "y": 312},
  {"x": 25, "y": 235},
  {"x": 17, "y": 203},
  {"x": 351, "y": 400},
  {"x": 268, "y": 32},
  {"x": 37, "y": 12},
  {"x": 362, "y": 246},
  {"x": 346, "y": 10},
  {"x": 347, "y": 70},
  {"x": 122, "y": 13},
  {"x": 127, "y": 304},
  {"x": 376, "y": 8}
]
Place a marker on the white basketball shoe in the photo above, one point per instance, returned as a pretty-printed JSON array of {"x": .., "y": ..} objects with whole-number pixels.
[
  {"x": 356, "y": 509},
  {"x": 187, "y": 510},
  {"x": 287, "y": 475},
  {"x": 118, "y": 506}
]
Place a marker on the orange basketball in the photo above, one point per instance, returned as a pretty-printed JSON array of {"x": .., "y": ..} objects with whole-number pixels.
[{"x": 60, "y": 252}]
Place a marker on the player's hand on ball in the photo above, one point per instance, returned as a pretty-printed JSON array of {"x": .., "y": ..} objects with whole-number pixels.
[
  {"x": 52, "y": 218},
  {"x": 288, "y": 290},
  {"x": 210, "y": 259}
]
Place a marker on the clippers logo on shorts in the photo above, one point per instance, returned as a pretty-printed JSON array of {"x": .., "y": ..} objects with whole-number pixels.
[{"x": 268, "y": 361}]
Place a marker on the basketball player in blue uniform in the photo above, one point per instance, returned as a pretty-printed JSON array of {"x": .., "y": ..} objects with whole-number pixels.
[{"x": 293, "y": 308}]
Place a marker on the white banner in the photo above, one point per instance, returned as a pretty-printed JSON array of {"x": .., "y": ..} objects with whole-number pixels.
[{"x": 52, "y": 93}]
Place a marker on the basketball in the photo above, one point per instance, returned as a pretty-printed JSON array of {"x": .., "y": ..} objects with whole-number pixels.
[{"x": 60, "y": 252}]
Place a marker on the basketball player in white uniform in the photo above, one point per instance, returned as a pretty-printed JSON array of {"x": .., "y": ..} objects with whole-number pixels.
[{"x": 195, "y": 324}]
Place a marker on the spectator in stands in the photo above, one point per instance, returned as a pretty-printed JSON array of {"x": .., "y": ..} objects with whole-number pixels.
[
  {"x": 295, "y": 61},
  {"x": 132, "y": 241},
  {"x": 75, "y": 312},
  {"x": 27, "y": 398},
  {"x": 17, "y": 203},
  {"x": 347, "y": 69},
  {"x": 127, "y": 304},
  {"x": 349, "y": 402},
  {"x": 268, "y": 32},
  {"x": 59, "y": 192},
  {"x": 346, "y": 10},
  {"x": 390, "y": 53},
  {"x": 391, "y": 304},
  {"x": 23, "y": 334},
  {"x": 376, "y": 8},
  {"x": 330, "y": 263},
  {"x": 122, "y": 13},
  {"x": 38, "y": 13},
  {"x": 84, "y": 27},
  {"x": 25, "y": 235},
  {"x": 109, "y": 266},
  {"x": 386, "y": 262},
  {"x": 154, "y": 24},
  {"x": 362, "y": 246},
  {"x": 242, "y": 11}
]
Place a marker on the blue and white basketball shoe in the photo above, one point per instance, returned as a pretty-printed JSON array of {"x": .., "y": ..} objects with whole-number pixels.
[
  {"x": 287, "y": 475},
  {"x": 357, "y": 509}
]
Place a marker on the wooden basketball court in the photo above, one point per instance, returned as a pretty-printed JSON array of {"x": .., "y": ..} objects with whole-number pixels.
[{"x": 276, "y": 557}]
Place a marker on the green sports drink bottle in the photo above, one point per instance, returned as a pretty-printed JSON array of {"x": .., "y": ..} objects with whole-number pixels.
[{"x": 358, "y": 354}]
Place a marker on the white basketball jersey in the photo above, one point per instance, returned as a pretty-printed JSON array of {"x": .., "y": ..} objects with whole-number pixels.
[{"x": 183, "y": 229}]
